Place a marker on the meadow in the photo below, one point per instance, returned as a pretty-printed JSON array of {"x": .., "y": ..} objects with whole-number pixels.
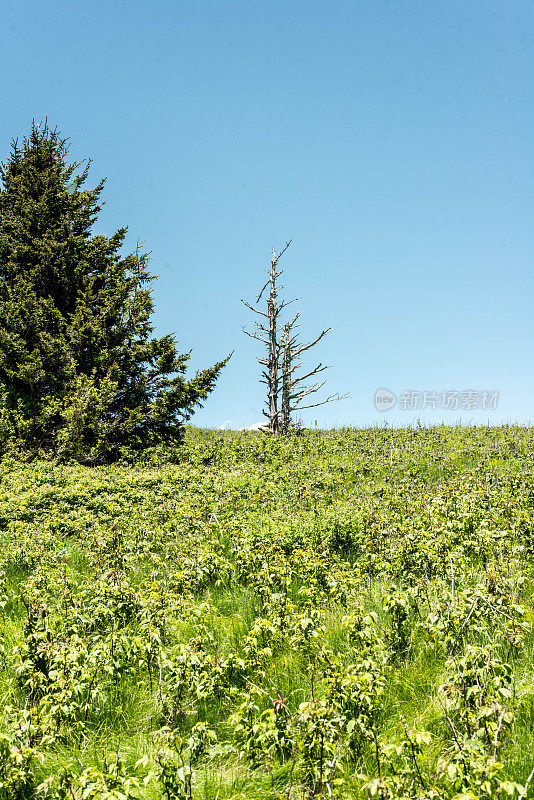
[{"x": 344, "y": 614}]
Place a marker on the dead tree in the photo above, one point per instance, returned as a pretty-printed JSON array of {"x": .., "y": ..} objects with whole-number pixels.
[
  {"x": 294, "y": 390},
  {"x": 283, "y": 372},
  {"x": 267, "y": 333}
]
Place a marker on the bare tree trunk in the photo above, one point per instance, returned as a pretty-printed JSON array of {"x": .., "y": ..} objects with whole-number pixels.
[
  {"x": 267, "y": 333},
  {"x": 274, "y": 350},
  {"x": 286, "y": 381}
]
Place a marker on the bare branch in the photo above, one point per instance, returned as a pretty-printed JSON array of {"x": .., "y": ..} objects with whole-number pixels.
[
  {"x": 305, "y": 347},
  {"x": 308, "y": 390},
  {"x": 285, "y": 303},
  {"x": 315, "y": 371},
  {"x": 525, "y": 787},
  {"x": 264, "y": 287},
  {"x": 254, "y": 335},
  {"x": 288, "y": 327},
  {"x": 276, "y": 258},
  {"x": 256, "y": 310},
  {"x": 330, "y": 399}
]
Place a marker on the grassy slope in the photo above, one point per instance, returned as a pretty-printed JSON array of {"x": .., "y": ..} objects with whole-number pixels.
[{"x": 274, "y": 590}]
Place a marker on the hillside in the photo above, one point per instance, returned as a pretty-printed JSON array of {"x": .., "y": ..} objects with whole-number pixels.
[{"x": 336, "y": 614}]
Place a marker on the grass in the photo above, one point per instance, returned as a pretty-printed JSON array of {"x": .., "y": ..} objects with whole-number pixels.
[{"x": 217, "y": 585}]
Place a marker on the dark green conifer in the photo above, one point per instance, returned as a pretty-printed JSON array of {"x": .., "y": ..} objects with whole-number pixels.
[{"x": 81, "y": 374}]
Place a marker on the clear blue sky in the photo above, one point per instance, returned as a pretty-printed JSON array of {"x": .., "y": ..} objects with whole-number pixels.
[{"x": 393, "y": 141}]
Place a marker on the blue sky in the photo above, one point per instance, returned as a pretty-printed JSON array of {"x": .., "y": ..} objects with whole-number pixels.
[{"x": 392, "y": 141}]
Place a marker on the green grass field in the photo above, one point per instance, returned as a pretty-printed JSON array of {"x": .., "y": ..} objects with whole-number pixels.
[{"x": 341, "y": 614}]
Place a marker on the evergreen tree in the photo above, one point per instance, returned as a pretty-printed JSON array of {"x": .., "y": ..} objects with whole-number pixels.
[{"x": 81, "y": 374}]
